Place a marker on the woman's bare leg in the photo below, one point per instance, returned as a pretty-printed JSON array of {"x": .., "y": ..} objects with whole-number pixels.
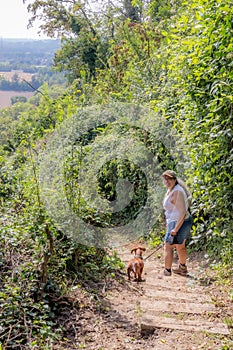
[
  {"x": 168, "y": 255},
  {"x": 182, "y": 253}
]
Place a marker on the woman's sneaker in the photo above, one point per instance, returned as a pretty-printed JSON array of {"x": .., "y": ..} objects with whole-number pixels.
[{"x": 181, "y": 270}]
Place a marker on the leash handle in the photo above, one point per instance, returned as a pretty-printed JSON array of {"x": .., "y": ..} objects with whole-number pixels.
[{"x": 160, "y": 246}]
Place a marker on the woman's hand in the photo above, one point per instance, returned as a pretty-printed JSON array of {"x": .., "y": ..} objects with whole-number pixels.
[{"x": 173, "y": 232}]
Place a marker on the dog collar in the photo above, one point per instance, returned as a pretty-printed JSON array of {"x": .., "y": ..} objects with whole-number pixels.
[{"x": 138, "y": 256}]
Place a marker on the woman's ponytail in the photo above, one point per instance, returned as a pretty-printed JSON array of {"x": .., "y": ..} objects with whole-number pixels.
[{"x": 187, "y": 192}]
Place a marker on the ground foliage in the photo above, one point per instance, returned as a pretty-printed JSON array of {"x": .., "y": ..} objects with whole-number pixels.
[{"x": 174, "y": 59}]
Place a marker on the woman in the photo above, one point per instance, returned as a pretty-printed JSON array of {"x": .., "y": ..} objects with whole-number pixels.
[{"x": 178, "y": 221}]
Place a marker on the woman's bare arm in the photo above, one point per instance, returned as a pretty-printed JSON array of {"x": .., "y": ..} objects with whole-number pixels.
[{"x": 179, "y": 201}]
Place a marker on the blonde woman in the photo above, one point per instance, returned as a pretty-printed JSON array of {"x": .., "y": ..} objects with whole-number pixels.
[{"x": 178, "y": 222}]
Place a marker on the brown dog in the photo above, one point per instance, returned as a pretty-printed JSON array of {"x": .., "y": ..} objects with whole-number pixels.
[{"x": 136, "y": 264}]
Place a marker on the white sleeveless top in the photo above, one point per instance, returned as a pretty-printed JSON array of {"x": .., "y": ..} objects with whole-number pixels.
[{"x": 171, "y": 212}]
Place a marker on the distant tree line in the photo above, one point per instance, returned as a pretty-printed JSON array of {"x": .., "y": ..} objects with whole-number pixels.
[
  {"x": 18, "y": 84},
  {"x": 16, "y": 99},
  {"x": 22, "y": 52},
  {"x": 8, "y": 67},
  {"x": 43, "y": 75}
]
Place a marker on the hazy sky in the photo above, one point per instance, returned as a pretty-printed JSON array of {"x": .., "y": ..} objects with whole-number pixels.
[{"x": 14, "y": 19}]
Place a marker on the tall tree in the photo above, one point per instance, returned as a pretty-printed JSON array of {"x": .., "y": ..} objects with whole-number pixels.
[
  {"x": 75, "y": 23},
  {"x": 84, "y": 29}
]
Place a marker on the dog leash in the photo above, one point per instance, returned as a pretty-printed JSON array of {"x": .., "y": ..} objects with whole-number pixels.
[{"x": 160, "y": 246}]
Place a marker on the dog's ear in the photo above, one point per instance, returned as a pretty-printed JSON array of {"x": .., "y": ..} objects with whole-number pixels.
[{"x": 140, "y": 247}]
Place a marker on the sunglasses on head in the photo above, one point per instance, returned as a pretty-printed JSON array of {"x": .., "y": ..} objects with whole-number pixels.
[{"x": 168, "y": 178}]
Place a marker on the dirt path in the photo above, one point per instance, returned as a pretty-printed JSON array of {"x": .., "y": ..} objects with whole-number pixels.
[{"x": 161, "y": 313}]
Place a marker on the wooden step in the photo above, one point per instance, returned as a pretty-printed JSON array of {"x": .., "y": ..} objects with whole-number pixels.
[
  {"x": 176, "y": 295},
  {"x": 177, "y": 306},
  {"x": 180, "y": 285},
  {"x": 180, "y": 281},
  {"x": 150, "y": 322}
]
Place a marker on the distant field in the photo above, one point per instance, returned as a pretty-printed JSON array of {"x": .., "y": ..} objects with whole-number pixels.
[
  {"x": 5, "y": 97},
  {"x": 22, "y": 75}
]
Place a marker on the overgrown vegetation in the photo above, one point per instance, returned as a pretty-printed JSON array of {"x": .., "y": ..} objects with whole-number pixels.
[{"x": 175, "y": 59}]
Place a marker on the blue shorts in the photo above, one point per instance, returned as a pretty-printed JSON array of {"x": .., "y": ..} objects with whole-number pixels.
[{"x": 183, "y": 232}]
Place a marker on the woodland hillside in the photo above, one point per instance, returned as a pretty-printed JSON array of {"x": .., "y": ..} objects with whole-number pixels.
[{"x": 149, "y": 87}]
